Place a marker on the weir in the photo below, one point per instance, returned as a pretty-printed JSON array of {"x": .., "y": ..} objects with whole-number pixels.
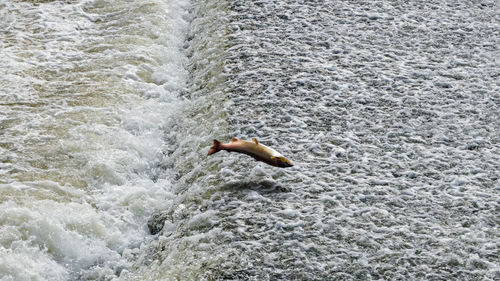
[{"x": 388, "y": 109}]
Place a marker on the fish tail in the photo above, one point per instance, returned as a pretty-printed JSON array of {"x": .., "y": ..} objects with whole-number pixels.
[{"x": 215, "y": 148}]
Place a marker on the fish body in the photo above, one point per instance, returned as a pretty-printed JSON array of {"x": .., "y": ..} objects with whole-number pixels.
[{"x": 253, "y": 148}]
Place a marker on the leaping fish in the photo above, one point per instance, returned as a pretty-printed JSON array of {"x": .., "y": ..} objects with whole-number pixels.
[{"x": 253, "y": 148}]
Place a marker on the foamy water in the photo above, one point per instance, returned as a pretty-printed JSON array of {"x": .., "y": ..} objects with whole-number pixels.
[
  {"x": 389, "y": 111},
  {"x": 87, "y": 92}
]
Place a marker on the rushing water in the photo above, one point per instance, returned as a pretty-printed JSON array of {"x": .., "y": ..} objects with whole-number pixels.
[
  {"x": 389, "y": 109},
  {"x": 87, "y": 89}
]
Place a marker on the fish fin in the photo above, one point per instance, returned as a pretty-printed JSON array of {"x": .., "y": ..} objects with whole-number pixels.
[
  {"x": 255, "y": 141},
  {"x": 234, "y": 139},
  {"x": 215, "y": 148}
]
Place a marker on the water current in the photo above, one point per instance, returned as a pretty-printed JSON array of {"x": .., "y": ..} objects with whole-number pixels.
[{"x": 389, "y": 109}]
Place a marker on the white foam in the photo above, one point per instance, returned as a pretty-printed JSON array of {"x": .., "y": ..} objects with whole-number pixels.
[{"x": 81, "y": 176}]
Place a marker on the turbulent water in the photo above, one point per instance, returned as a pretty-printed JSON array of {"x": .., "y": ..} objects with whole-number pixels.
[{"x": 389, "y": 109}]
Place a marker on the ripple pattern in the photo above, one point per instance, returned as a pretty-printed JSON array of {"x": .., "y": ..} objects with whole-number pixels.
[{"x": 390, "y": 110}]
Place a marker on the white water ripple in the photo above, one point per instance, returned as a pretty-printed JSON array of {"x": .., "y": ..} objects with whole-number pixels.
[
  {"x": 87, "y": 92},
  {"x": 389, "y": 110}
]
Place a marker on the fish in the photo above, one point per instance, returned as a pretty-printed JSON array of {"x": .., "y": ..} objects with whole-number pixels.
[{"x": 254, "y": 149}]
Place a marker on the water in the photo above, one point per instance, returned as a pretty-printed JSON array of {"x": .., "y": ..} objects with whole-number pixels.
[
  {"x": 87, "y": 92},
  {"x": 389, "y": 110}
]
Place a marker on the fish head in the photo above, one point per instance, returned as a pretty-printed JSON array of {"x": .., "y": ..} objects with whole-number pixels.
[{"x": 283, "y": 162}]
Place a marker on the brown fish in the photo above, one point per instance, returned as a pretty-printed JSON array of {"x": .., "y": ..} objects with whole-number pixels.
[{"x": 253, "y": 148}]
